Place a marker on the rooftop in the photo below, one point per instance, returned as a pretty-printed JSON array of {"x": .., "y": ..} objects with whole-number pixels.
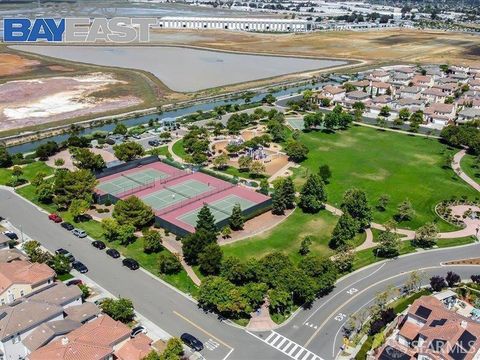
[{"x": 23, "y": 272}]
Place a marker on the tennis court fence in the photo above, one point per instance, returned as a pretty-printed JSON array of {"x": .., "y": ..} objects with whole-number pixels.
[{"x": 194, "y": 198}]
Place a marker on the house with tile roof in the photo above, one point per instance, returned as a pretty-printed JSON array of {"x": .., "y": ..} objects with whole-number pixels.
[
  {"x": 333, "y": 93},
  {"x": 19, "y": 278},
  {"x": 429, "y": 330},
  {"x": 99, "y": 339},
  {"x": 468, "y": 114},
  {"x": 4, "y": 242},
  {"x": 440, "y": 114},
  {"x": 410, "y": 92},
  {"x": 135, "y": 349}
]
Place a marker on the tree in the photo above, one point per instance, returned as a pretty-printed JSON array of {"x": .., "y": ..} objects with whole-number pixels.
[
  {"x": 278, "y": 203},
  {"x": 85, "y": 159},
  {"x": 452, "y": 279},
  {"x": 257, "y": 168},
  {"x": 287, "y": 189},
  {"x": 45, "y": 193},
  {"x": 296, "y": 151},
  {"x": 110, "y": 229},
  {"x": 60, "y": 264},
  {"x": 133, "y": 211},
  {"x": 404, "y": 114},
  {"x": 414, "y": 281},
  {"x": 128, "y": 151},
  {"x": 193, "y": 245},
  {"x": 244, "y": 163},
  {"x": 168, "y": 263},
  {"x": 426, "y": 236},
  {"x": 120, "y": 129},
  {"x": 38, "y": 178},
  {"x": 355, "y": 203},
  {"x": 383, "y": 201},
  {"x": 5, "y": 158},
  {"x": 152, "y": 241},
  {"x": 119, "y": 310},
  {"x": 359, "y": 108},
  {"x": 264, "y": 187},
  {"x": 35, "y": 254},
  {"x": 325, "y": 173},
  {"x": 437, "y": 283},
  {"x": 280, "y": 301},
  {"x": 269, "y": 99},
  {"x": 321, "y": 270},
  {"x": 173, "y": 351},
  {"x": 305, "y": 245},
  {"x": 17, "y": 171},
  {"x": 126, "y": 234},
  {"x": 71, "y": 185},
  {"x": 344, "y": 231},
  {"x": 389, "y": 244},
  {"x": 405, "y": 211},
  {"x": 236, "y": 219},
  {"x": 206, "y": 221},
  {"x": 385, "y": 111},
  {"x": 46, "y": 150},
  {"x": 343, "y": 259},
  {"x": 226, "y": 232},
  {"x": 210, "y": 259},
  {"x": 313, "y": 195},
  {"x": 77, "y": 208},
  {"x": 349, "y": 87},
  {"x": 85, "y": 291},
  {"x": 221, "y": 161}
]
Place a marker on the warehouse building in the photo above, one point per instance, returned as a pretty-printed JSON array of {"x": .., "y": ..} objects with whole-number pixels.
[{"x": 239, "y": 24}]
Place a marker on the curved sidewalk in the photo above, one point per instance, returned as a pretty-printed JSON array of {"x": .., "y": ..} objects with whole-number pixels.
[{"x": 457, "y": 158}]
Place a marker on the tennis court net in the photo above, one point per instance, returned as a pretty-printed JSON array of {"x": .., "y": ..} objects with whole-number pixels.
[
  {"x": 134, "y": 180},
  {"x": 218, "y": 209},
  {"x": 178, "y": 192}
]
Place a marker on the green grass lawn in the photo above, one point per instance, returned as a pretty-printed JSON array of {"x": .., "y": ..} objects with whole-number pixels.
[
  {"x": 287, "y": 236},
  {"x": 29, "y": 171},
  {"x": 382, "y": 162},
  {"x": 468, "y": 165},
  {"x": 178, "y": 149},
  {"x": 231, "y": 170},
  {"x": 160, "y": 151}
]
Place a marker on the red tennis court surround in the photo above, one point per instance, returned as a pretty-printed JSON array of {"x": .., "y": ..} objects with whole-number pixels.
[{"x": 177, "y": 195}]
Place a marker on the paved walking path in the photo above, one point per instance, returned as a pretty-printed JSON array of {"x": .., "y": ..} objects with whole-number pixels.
[
  {"x": 170, "y": 150},
  {"x": 175, "y": 247},
  {"x": 260, "y": 320},
  {"x": 457, "y": 158}
]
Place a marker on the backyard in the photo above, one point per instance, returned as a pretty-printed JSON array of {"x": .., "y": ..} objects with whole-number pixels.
[{"x": 382, "y": 162}]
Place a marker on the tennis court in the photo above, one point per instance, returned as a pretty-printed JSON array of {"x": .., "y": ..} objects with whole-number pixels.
[
  {"x": 125, "y": 183},
  {"x": 174, "y": 194},
  {"x": 220, "y": 209},
  {"x": 296, "y": 124}
]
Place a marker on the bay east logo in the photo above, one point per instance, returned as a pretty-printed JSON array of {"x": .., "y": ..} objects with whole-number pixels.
[{"x": 78, "y": 30}]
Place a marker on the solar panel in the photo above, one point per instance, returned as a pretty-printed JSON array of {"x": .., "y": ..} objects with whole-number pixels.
[
  {"x": 466, "y": 340},
  {"x": 423, "y": 312},
  {"x": 437, "y": 344},
  {"x": 390, "y": 353},
  {"x": 457, "y": 353},
  {"x": 439, "y": 322}
]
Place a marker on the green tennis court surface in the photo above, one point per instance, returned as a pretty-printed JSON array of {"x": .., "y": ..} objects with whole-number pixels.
[
  {"x": 296, "y": 124},
  {"x": 171, "y": 195},
  {"x": 220, "y": 209},
  {"x": 131, "y": 181}
]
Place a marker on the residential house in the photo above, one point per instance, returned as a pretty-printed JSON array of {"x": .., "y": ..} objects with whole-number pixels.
[
  {"x": 447, "y": 88},
  {"x": 377, "y": 88},
  {"x": 434, "y": 95},
  {"x": 48, "y": 332},
  {"x": 95, "y": 340},
  {"x": 4, "y": 242},
  {"x": 410, "y": 92},
  {"x": 380, "y": 76},
  {"x": 135, "y": 349},
  {"x": 82, "y": 313},
  {"x": 468, "y": 114},
  {"x": 430, "y": 331},
  {"x": 456, "y": 69},
  {"x": 355, "y": 96},
  {"x": 361, "y": 84},
  {"x": 440, "y": 114},
  {"x": 411, "y": 104},
  {"x": 474, "y": 84},
  {"x": 400, "y": 79},
  {"x": 422, "y": 81},
  {"x": 19, "y": 278},
  {"x": 334, "y": 93},
  {"x": 406, "y": 70},
  {"x": 434, "y": 72},
  {"x": 375, "y": 104},
  {"x": 9, "y": 255}
]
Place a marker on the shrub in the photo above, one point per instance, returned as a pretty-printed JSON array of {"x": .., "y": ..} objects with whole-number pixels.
[{"x": 169, "y": 263}]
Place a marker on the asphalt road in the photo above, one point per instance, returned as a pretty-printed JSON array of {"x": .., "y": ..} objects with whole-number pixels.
[{"x": 318, "y": 329}]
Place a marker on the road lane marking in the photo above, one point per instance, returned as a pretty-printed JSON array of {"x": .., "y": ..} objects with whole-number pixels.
[
  {"x": 337, "y": 310},
  {"x": 343, "y": 290},
  {"x": 202, "y": 330},
  {"x": 291, "y": 349}
]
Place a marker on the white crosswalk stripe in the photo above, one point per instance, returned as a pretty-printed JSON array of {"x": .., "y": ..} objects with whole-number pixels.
[{"x": 288, "y": 347}]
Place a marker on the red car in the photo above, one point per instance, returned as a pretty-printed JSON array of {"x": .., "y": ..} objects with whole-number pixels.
[{"x": 55, "y": 218}]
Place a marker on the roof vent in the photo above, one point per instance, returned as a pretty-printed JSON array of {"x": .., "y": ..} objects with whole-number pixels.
[{"x": 65, "y": 341}]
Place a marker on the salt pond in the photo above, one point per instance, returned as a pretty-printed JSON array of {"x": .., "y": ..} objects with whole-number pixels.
[{"x": 185, "y": 69}]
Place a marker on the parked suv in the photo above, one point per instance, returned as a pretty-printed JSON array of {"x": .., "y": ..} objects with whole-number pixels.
[
  {"x": 79, "y": 232},
  {"x": 65, "y": 253}
]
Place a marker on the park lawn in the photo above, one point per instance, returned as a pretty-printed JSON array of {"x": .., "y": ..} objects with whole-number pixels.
[
  {"x": 383, "y": 162},
  {"x": 287, "y": 236},
  {"x": 232, "y": 170},
  {"x": 29, "y": 171},
  {"x": 150, "y": 263},
  {"x": 469, "y": 167},
  {"x": 162, "y": 151},
  {"x": 178, "y": 149}
]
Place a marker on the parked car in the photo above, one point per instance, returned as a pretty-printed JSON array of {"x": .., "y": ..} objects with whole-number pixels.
[
  {"x": 130, "y": 263},
  {"x": 136, "y": 136},
  {"x": 80, "y": 267},
  {"x": 67, "y": 226},
  {"x": 65, "y": 253},
  {"x": 11, "y": 235},
  {"x": 74, "y": 282},
  {"x": 153, "y": 143},
  {"x": 113, "y": 253},
  {"x": 55, "y": 218},
  {"x": 100, "y": 245},
  {"x": 191, "y": 341},
  {"x": 79, "y": 233},
  {"x": 137, "y": 331}
]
